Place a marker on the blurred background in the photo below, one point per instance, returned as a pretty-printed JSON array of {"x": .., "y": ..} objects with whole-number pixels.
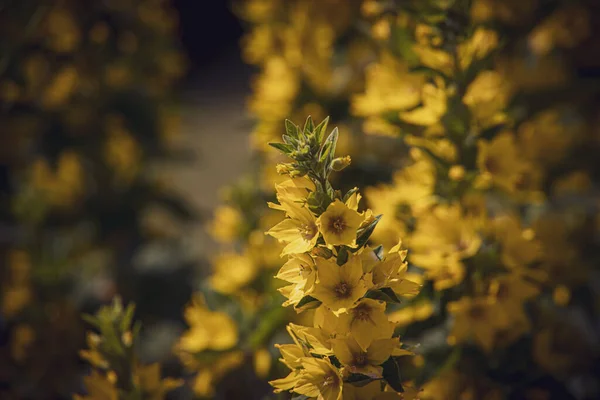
[{"x": 133, "y": 162}]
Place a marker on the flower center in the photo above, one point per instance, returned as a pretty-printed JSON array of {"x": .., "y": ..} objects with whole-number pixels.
[
  {"x": 477, "y": 312},
  {"x": 491, "y": 164},
  {"x": 360, "y": 359},
  {"x": 343, "y": 290},
  {"x": 308, "y": 231},
  {"x": 362, "y": 313},
  {"x": 337, "y": 224},
  {"x": 329, "y": 380}
]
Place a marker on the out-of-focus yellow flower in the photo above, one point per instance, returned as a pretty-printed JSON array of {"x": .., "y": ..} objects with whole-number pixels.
[
  {"x": 548, "y": 136},
  {"x": 122, "y": 153},
  {"x": 339, "y": 223},
  {"x": 149, "y": 379},
  {"x": 339, "y": 287},
  {"x": 476, "y": 318},
  {"x": 226, "y": 225},
  {"x": 207, "y": 377},
  {"x": 500, "y": 162},
  {"x": 487, "y": 97},
  {"x": 16, "y": 287},
  {"x": 99, "y": 387},
  {"x": 232, "y": 271},
  {"x": 63, "y": 35},
  {"x": 412, "y": 313},
  {"x": 262, "y": 362},
  {"x": 478, "y": 46},
  {"x": 389, "y": 87},
  {"x": 209, "y": 330},
  {"x": 63, "y": 186},
  {"x": 433, "y": 98},
  {"x": 442, "y": 238},
  {"x": 566, "y": 27},
  {"x": 61, "y": 87},
  {"x": 22, "y": 338}
]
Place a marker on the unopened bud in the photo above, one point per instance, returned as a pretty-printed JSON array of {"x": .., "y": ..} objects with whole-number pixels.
[
  {"x": 340, "y": 163},
  {"x": 284, "y": 169},
  {"x": 456, "y": 172}
]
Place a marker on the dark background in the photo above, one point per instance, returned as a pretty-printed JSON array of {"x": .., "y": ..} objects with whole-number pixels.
[{"x": 208, "y": 30}]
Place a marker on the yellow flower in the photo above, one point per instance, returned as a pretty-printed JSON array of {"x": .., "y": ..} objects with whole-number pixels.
[
  {"x": 500, "y": 162},
  {"x": 434, "y": 97},
  {"x": 226, "y": 224},
  {"x": 366, "y": 362},
  {"x": 99, "y": 387},
  {"x": 389, "y": 87},
  {"x": 443, "y": 237},
  {"x": 391, "y": 272},
  {"x": 319, "y": 379},
  {"x": 339, "y": 287},
  {"x": 299, "y": 230},
  {"x": 339, "y": 223},
  {"x": 476, "y": 319},
  {"x": 487, "y": 97},
  {"x": 232, "y": 271},
  {"x": 300, "y": 271},
  {"x": 510, "y": 292},
  {"x": 208, "y": 330},
  {"x": 366, "y": 322}
]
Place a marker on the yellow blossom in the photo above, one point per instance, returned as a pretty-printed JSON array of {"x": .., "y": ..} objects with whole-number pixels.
[
  {"x": 208, "y": 330},
  {"x": 320, "y": 379},
  {"x": 366, "y": 322},
  {"x": 500, "y": 162},
  {"x": 476, "y": 319},
  {"x": 368, "y": 361},
  {"x": 299, "y": 231},
  {"x": 339, "y": 287},
  {"x": 339, "y": 223},
  {"x": 232, "y": 271},
  {"x": 226, "y": 224}
]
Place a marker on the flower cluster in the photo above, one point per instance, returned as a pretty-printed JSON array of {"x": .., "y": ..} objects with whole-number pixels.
[
  {"x": 351, "y": 348},
  {"x": 117, "y": 372},
  {"x": 497, "y": 193},
  {"x": 84, "y": 111}
]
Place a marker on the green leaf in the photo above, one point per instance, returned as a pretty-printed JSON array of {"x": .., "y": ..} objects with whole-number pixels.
[
  {"x": 90, "y": 319},
  {"x": 309, "y": 125},
  {"x": 289, "y": 140},
  {"x": 321, "y": 129},
  {"x": 391, "y": 374},
  {"x": 291, "y": 129},
  {"x": 359, "y": 380},
  {"x": 378, "y": 252},
  {"x": 331, "y": 141},
  {"x": 385, "y": 294},
  {"x": 125, "y": 322},
  {"x": 342, "y": 256},
  {"x": 364, "y": 234},
  {"x": 308, "y": 302},
  {"x": 349, "y": 193},
  {"x": 284, "y": 148}
]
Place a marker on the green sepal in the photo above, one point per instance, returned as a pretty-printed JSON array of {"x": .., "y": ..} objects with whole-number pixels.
[
  {"x": 307, "y": 302},
  {"x": 384, "y": 294},
  {"x": 291, "y": 129},
  {"x": 391, "y": 374},
  {"x": 364, "y": 234},
  {"x": 342, "y": 256},
  {"x": 284, "y": 148}
]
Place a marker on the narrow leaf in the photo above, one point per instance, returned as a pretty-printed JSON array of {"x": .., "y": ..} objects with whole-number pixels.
[
  {"x": 364, "y": 234},
  {"x": 391, "y": 374}
]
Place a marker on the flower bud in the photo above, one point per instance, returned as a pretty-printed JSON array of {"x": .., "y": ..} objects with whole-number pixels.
[
  {"x": 456, "y": 172},
  {"x": 340, "y": 163}
]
